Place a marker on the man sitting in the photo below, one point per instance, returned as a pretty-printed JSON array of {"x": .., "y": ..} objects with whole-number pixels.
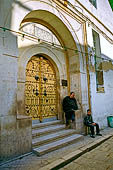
[{"x": 88, "y": 121}]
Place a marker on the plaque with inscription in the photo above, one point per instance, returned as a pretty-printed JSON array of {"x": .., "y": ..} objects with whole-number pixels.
[{"x": 64, "y": 83}]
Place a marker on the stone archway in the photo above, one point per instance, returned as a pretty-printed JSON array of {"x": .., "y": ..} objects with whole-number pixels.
[
  {"x": 24, "y": 59},
  {"x": 18, "y": 12},
  {"x": 59, "y": 29},
  {"x": 59, "y": 22}
]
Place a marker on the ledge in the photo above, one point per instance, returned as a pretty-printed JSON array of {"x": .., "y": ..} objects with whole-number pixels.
[
  {"x": 19, "y": 117},
  {"x": 61, "y": 162}
]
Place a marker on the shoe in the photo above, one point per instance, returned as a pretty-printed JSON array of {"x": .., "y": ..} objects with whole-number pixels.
[
  {"x": 92, "y": 136},
  {"x": 99, "y": 134}
]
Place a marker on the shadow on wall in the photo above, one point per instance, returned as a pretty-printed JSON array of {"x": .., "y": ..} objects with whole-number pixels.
[{"x": 22, "y": 6}]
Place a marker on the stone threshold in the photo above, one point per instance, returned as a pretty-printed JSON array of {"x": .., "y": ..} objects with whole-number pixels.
[{"x": 59, "y": 163}]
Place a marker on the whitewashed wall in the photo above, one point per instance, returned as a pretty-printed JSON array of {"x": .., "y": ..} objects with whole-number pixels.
[
  {"x": 17, "y": 130},
  {"x": 103, "y": 13},
  {"x": 102, "y": 103},
  {"x": 15, "y": 134}
]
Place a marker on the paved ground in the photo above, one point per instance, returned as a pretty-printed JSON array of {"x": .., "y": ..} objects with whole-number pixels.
[
  {"x": 100, "y": 158},
  {"x": 90, "y": 160}
]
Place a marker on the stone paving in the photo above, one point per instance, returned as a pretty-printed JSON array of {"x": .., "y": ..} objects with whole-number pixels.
[
  {"x": 90, "y": 160},
  {"x": 100, "y": 158}
]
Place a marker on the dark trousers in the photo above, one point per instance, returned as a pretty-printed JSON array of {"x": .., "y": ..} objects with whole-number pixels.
[
  {"x": 69, "y": 116},
  {"x": 92, "y": 128}
]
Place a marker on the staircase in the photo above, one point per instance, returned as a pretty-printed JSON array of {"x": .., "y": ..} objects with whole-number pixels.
[{"x": 50, "y": 136}]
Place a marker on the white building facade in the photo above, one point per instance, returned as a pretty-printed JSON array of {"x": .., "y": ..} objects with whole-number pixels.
[{"x": 48, "y": 49}]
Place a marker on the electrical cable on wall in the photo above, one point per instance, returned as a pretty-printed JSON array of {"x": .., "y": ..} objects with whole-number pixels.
[{"x": 35, "y": 39}]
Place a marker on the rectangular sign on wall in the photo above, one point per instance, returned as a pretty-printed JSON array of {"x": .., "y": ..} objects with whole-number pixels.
[{"x": 64, "y": 83}]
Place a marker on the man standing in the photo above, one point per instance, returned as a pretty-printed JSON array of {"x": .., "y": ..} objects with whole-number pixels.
[
  {"x": 88, "y": 121},
  {"x": 69, "y": 107}
]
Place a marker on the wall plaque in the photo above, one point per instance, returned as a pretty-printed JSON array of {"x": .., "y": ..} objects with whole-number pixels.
[{"x": 64, "y": 83}]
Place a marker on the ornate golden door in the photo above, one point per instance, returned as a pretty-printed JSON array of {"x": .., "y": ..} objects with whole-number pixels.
[{"x": 40, "y": 89}]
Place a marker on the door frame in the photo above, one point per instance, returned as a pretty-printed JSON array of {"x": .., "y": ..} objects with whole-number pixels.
[{"x": 41, "y": 118}]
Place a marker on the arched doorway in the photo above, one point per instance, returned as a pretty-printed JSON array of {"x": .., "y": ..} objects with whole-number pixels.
[
  {"x": 64, "y": 58},
  {"x": 40, "y": 89}
]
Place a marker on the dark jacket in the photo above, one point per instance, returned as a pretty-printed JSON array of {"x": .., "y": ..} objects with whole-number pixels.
[
  {"x": 88, "y": 120},
  {"x": 69, "y": 104}
]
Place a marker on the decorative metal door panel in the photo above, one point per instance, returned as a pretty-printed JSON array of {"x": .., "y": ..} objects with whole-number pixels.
[{"x": 40, "y": 89}]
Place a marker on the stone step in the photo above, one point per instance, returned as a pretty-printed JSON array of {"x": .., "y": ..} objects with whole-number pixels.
[
  {"x": 52, "y": 137},
  {"x": 45, "y": 124},
  {"x": 57, "y": 144},
  {"x": 49, "y": 129}
]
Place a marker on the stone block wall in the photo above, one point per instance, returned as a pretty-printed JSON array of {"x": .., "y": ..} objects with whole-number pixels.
[
  {"x": 15, "y": 137},
  {"x": 79, "y": 118}
]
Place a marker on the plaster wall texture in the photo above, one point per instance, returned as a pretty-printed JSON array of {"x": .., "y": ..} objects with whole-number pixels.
[
  {"x": 15, "y": 130},
  {"x": 106, "y": 47},
  {"x": 13, "y": 139},
  {"x": 8, "y": 81},
  {"x": 5, "y": 16},
  {"x": 103, "y": 13},
  {"x": 101, "y": 103},
  {"x": 78, "y": 80}
]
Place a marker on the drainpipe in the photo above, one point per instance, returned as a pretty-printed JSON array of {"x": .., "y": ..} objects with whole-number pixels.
[
  {"x": 67, "y": 69},
  {"x": 87, "y": 65}
]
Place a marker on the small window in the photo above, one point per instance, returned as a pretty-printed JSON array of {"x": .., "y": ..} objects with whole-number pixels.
[
  {"x": 94, "y": 3},
  {"x": 98, "y": 63},
  {"x": 99, "y": 74},
  {"x": 100, "y": 81}
]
